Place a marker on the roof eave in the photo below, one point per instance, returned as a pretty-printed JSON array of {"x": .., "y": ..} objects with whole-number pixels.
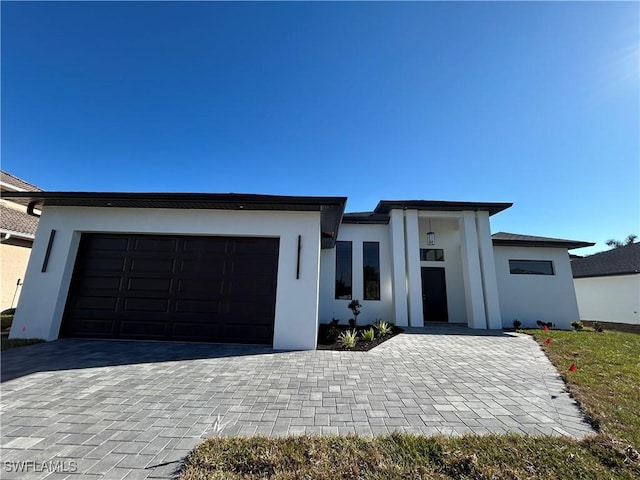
[
  {"x": 609, "y": 274},
  {"x": 13, "y": 233},
  {"x": 385, "y": 206},
  {"x": 533, "y": 243}
]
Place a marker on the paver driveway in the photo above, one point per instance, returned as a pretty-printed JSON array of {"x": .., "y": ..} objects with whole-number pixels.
[{"x": 134, "y": 409}]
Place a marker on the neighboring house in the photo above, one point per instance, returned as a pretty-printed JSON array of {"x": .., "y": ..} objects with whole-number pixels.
[
  {"x": 17, "y": 231},
  {"x": 608, "y": 285},
  {"x": 267, "y": 269}
]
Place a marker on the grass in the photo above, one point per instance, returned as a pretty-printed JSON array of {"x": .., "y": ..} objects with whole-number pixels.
[
  {"x": 406, "y": 456},
  {"x": 606, "y": 382},
  {"x": 6, "y": 344}
]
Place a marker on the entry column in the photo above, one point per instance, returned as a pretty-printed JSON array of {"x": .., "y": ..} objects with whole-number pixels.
[
  {"x": 399, "y": 273},
  {"x": 471, "y": 272}
]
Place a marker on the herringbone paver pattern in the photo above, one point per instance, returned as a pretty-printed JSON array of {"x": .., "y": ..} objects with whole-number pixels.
[{"x": 134, "y": 409}]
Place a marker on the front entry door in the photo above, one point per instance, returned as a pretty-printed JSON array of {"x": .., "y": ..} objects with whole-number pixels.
[{"x": 434, "y": 295}]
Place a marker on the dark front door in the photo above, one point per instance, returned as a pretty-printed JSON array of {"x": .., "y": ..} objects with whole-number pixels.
[
  {"x": 169, "y": 287},
  {"x": 434, "y": 295}
]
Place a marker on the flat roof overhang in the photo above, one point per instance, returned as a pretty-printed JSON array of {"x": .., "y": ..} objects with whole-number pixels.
[
  {"x": 331, "y": 208},
  {"x": 568, "y": 244},
  {"x": 385, "y": 206}
]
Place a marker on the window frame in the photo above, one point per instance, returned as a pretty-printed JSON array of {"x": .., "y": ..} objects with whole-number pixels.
[
  {"x": 377, "y": 271},
  {"x": 549, "y": 262},
  {"x": 350, "y": 263},
  {"x": 426, "y": 250}
]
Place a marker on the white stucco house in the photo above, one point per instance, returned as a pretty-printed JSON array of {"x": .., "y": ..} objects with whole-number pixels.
[
  {"x": 268, "y": 269},
  {"x": 607, "y": 285}
]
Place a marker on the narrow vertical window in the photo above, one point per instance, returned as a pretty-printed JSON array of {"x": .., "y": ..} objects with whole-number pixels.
[
  {"x": 371, "y": 270},
  {"x": 343, "y": 270}
]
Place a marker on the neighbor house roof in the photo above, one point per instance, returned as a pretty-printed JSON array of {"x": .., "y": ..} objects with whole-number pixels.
[
  {"x": 385, "y": 206},
  {"x": 17, "y": 223},
  {"x": 331, "y": 208},
  {"x": 514, "y": 239},
  {"x": 12, "y": 183},
  {"x": 365, "y": 217},
  {"x": 618, "y": 261}
]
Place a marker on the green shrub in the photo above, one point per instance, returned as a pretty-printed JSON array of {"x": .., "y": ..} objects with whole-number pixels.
[
  {"x": 368, "y": 335},
  {"x": 354, "y": 306},
  {"x": 517, "y": 323},
  {"x": 383, "y": 327},
  {"x": 577, "y": 326},
  {"x": 5, "y": 321},
  {"x": 348, "y": 339}
]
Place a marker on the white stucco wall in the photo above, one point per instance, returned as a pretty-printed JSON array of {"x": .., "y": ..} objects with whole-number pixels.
[
  {"x": 448, "y": 239},
  {"x": 44, "y": 295},
  {"x": 609, "y": 299},
  {"x": 371, "y": 309},
  {"x": 549, "y": 298}
]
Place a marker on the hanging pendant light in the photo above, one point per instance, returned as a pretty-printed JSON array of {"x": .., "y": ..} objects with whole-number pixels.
[{"x": 431, "y": 236}]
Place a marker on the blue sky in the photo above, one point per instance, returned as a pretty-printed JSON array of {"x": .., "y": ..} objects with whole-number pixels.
[{"x": 533, "y": 103}]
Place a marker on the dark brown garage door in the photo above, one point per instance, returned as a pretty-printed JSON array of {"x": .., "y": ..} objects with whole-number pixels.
[{"x": 208, "y": 289}]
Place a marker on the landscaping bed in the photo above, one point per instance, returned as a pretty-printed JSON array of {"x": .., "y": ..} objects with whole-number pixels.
[{"x": 329, "y": 337}]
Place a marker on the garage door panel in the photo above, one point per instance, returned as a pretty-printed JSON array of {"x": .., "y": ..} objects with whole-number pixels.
[
  {"x": 148, "y": 245},
  {"x": 152, "y": 265},
  {"x": 141, "y": 329},
  {"x": 96, "y": 303},
  {"x": 149, "y": 284},
  {"x": 267, "y": 246},
  {"x": 217, "y": 289},
  {"x": 209, "y": 268},
  {"x": 94, "y": 327},
  {"x": 205, "y": 246},
  {"x": 189, "y": 330},
  {"x": 103, "y": 283},
  {"x": 104, "y": 264},
  {"x": 238, "y": 333},
  {"x": 108, "y": 243},
  {"x": 194, "y": 286},
  {"x": 240, "y": 267},
  {"x": 146, "y": 305},
  {"x": 252, "y": 284},
  {"x": 197, "y": 306}
]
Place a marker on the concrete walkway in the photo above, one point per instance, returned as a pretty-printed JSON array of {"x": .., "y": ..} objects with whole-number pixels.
[{"x": 134, "y": 409}]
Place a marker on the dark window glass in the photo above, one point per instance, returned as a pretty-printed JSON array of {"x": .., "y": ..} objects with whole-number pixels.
[
  {"x": 343, "y": 270},
  {"x": 531, "y": 267},
  {"x": 431, "y": 255},
  {"x": 371, "y": 270}
]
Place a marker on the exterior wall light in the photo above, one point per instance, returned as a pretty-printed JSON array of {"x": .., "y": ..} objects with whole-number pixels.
[{"x": 431, "y": 236}]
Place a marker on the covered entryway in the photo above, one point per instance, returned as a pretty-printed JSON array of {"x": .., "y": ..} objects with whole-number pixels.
[
  {"x": 434, "y": 294},
  {"x": 173, "y": 287}
]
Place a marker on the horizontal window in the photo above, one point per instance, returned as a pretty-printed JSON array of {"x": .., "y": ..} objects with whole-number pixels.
[
  {"x": 371, "y": 270},
  {"x": 531, "y": 267},
  {"x": 343, "y": 270},
  {"x": 431, "y": 255}
]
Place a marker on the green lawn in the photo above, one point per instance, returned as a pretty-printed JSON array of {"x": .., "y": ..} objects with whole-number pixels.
[
  {"x": 405, "y": 456},
  {"x": 606, "y": 383},
  {"x": 607, "y": 379},
  {"x": 6, "y": 344}
]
